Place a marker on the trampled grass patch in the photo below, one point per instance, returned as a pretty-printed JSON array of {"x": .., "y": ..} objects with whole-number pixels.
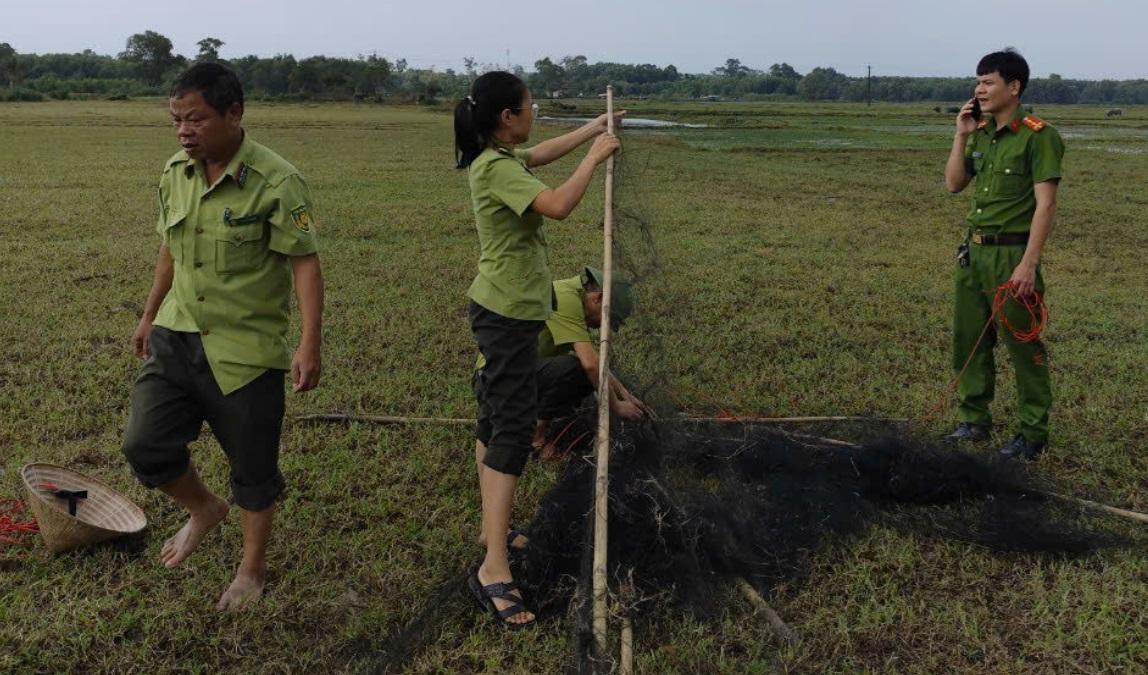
[{"x": 805, "y": 256}]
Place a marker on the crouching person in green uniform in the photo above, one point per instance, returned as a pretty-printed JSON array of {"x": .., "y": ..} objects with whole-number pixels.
[
  {"x": 511, "y": 297},
  {"x": 236, "y": 228},
  {"x": 1014, "y": 161},
  {"x": 568, "y": 362}
]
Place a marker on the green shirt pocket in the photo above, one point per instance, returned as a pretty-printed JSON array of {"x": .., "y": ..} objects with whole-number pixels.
[
  {"x": 240, "y": 248},
  {"x": 1012, "y": 176}
]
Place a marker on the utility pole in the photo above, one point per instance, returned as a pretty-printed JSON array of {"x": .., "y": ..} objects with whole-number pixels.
[{"x": 869, "y": 86}]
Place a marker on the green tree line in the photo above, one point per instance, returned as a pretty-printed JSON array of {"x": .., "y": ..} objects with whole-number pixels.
[{"x": 148, "y": 62}]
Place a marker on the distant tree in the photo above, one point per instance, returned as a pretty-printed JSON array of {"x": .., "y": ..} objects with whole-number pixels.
[
  {"x": 1053, "y": 90},
  {"x": 575, "y": 68},
  {"x": 470, "y": 64},
  {"x": 1099, "y": 92},
  {"x": 372, "y": 76},
  {"x": 151, "y": 55},
  {"x": 550, "y": 76},
  {"x": 8, "y": 64},
  {"x": 307, "y": 77},
  {"x": 784, "y": 71},
  {"x": 822, "y": 84},
  {"x": 732, "y": 68},
  {"x": 208, "y": 50}
]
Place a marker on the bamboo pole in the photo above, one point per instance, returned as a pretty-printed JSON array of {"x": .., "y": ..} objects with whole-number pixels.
[
  {"x": 626, "y": 660},
  {"x": 602, "y": 477},
  {"x": 790, "y": 420},
  {"x": 386, "y": 419},
  {"x": 1097, "y": 506},
  {"x": 778, "y": 627},
  {"x": 399, "y": 419},
  {"x": 381, "y": 419}
]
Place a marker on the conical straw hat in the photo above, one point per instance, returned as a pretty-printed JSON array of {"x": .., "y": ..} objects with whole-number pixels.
[{"x": 104, "y": 514}]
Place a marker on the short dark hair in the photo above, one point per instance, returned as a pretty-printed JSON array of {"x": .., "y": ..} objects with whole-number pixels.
[
  {"x": 1009, "y": 63},
  {"x": 219, "y": 85}
]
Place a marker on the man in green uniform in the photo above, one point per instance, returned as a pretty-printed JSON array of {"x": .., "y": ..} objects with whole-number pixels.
[
  {"x": 236, "y": 228},
  {"x": 1016, "y": 162},
  {"x": 567, "y": 367},
  {"x": 567, "y": 360}
]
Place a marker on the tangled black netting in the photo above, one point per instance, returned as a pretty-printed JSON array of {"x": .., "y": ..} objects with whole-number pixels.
[{"x": 694, "y": 506}]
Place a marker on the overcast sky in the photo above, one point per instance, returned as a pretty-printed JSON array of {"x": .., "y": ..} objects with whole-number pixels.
[{"x": 1078, "y": 38}]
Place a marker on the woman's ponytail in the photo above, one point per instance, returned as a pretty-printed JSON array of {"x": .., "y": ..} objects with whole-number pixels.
[{"x": 476, "y": 115}]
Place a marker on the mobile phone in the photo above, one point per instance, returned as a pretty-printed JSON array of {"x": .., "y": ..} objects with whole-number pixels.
[{"x": 976, "y": 113}]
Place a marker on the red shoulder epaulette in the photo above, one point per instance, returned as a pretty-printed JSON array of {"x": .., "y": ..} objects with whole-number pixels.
[
  {"x": 1033, "y": 122},
  {"x": 982, "y": 124}
]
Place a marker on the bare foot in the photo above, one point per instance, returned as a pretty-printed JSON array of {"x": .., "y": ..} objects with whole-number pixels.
[
  {"x": 500, "y": 604},
  {"x": 190, "y": 536},
  {"x": 243, "y": 591}
]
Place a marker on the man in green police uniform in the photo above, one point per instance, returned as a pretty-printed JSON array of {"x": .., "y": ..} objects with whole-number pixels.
[
  {"x": 236, "y": 224},
  {"x": 1016, "y": 161}
]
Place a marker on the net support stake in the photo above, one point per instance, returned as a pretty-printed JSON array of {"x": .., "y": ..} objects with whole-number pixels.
[{"x": 602, "y": 475}]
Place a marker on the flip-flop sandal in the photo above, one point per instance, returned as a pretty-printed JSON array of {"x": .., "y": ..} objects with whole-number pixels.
[{"x": 486, "y": 595}]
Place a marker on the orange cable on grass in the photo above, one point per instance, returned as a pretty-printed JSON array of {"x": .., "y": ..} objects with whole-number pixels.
[
  {"x": 1037, "y": 311},
  {"x": 10, "y": 527}
]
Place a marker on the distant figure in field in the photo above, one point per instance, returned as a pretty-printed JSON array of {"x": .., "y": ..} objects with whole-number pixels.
[
  {"x": 236, "y": 226},
  {"x": 511, "y": 297},
  {"x": 1115, "y": 112},
  {"x": 1015, "y": 160}
]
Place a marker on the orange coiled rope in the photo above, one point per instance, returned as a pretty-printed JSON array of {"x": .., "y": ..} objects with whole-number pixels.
[{"x": 1033, "y": 305}]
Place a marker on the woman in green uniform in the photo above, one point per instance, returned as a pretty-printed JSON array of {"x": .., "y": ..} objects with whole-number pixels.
[{"x": 511, "y": 296}]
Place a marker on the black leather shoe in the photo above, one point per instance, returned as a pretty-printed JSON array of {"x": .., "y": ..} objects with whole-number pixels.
[
  {"x": 968, "y": 432},
  {"x": 1021, "y": 448}
]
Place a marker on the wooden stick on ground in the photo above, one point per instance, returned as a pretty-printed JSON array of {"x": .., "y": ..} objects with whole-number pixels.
[
  {"x": 602, "y": 477},
  {"x": 1097, "y": 506},
  {"x": 382, "y": 419},
  {"x": 386, "y": 419},
  {"x": 399, "y": 419},
  {"x": 776, "y": 626},
  {"x": 789, "y": 420}
]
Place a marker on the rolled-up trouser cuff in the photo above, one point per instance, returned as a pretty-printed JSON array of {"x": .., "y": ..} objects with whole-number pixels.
[
  {"x": 258, "y": 497},
  {"x": 176, "y": 393},
  {"x": 160, "y": 478},
  {"x": 503, "y": 459}
]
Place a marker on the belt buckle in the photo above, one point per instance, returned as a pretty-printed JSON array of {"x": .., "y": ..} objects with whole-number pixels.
[{"x": 978, "y": 238}]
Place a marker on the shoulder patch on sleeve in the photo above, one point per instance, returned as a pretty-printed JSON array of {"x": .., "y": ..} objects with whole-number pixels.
[
  {"x": 1033, "y": 122},
  {"x": 302, "y": 218}
]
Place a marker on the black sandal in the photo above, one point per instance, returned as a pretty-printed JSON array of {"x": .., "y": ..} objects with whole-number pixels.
[{"x": 486, "y": 595}]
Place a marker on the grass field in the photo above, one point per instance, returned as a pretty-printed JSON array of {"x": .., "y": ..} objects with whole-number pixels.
[{"x": 809, "y": 250}]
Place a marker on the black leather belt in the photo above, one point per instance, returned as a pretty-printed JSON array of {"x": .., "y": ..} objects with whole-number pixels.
[{"x": 1001, "y": 239}]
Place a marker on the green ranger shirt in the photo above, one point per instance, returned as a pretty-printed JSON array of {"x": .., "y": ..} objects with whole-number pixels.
[
  {"x": 566, "y": 325},
  {"x": 513, "y": 276},
  {"x": 1007, "y": 163},
  {"x": 230, "y": 243}
]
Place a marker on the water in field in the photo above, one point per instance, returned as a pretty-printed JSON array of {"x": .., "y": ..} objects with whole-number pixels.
[{"x": 635, "y": 122}]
